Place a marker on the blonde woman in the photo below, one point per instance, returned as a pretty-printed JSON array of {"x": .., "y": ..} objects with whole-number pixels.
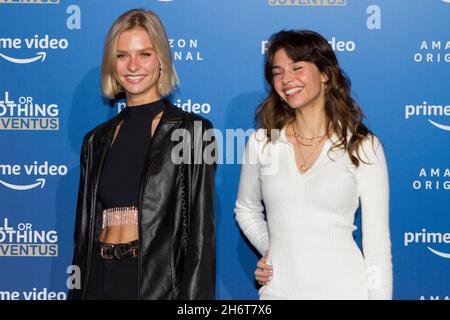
[{"x": 144, "y": 223}]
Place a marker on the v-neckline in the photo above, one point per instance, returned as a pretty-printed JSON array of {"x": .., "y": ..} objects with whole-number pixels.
[{"x": 293, "y": 159}]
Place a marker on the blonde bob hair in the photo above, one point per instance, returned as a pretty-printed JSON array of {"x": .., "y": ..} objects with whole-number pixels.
[{"x": 149, "y": 21}]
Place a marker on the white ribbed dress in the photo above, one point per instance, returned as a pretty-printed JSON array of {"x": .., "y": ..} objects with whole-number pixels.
[{"x": 310, "y": 220}]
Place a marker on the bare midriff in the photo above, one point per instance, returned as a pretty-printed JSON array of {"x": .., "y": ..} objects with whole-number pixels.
[{"x": 119, "y": 234}]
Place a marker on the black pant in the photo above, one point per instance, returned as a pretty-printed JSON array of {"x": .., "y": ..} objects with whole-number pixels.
[{"x": 113, "y": 279}]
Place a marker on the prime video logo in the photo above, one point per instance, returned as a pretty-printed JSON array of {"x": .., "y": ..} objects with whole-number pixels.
[
  {"x": 41, "y": 170},
  {"x": 428, "y": 110},
  {"x": 33, "y": 43},
  {"x": 336, "y": 45},
  {"x": 425, "y": 237}
]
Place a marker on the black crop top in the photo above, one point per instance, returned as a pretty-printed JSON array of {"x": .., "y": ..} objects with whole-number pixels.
[{"x": 120, "y": 177}]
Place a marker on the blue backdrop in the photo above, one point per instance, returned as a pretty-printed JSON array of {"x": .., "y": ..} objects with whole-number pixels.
[{"x": 396, "y": 52}]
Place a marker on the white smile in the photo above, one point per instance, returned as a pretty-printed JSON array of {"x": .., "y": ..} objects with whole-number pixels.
[
  {"x": 293, "y": 91},
  {"x": 135, "y": 79}
]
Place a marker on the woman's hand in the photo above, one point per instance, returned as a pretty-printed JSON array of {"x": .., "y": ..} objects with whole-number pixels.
[{"x": 263, "y": 273}]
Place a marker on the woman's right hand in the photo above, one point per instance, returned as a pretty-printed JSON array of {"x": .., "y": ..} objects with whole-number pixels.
[{"x": 263, "y": 273}]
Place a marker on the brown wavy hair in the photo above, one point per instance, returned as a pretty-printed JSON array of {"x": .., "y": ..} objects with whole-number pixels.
[{"x": 343, "y": 112}]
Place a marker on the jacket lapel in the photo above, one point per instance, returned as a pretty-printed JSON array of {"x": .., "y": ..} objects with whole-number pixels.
[
  {"x": 171, "y": 118},
  {"x": 103, "y": 137}
]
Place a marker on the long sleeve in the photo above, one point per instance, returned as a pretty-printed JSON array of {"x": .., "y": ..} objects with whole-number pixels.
[
  {"x": 199, "y": 266},
  {"x": 249, "y": 209},
  {"x": 75, "y": 291},
  {"x": 81, "y": 186},
  {"x": 374, "y": 196}
]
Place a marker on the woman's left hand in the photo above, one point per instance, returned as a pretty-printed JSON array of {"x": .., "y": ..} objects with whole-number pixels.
[{"x": 263, "y": 272}]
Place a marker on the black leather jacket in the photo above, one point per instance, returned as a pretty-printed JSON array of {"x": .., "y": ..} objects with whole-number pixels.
[{"x": 176, "y": 211}]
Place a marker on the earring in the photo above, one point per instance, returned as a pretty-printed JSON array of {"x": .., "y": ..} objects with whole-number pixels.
[{"x": 325, "y": 84}]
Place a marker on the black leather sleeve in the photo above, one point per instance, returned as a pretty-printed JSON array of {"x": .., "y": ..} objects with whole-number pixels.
[
  {"x": 200, "y": 260},
  {"x": 81, "y": 187},
  {"x": 75, "y": 294}
]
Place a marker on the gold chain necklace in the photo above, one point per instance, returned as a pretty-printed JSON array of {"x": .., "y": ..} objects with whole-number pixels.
[
  {"x": 315, "y": 142},
  {"x": 307, "y": 142}
]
